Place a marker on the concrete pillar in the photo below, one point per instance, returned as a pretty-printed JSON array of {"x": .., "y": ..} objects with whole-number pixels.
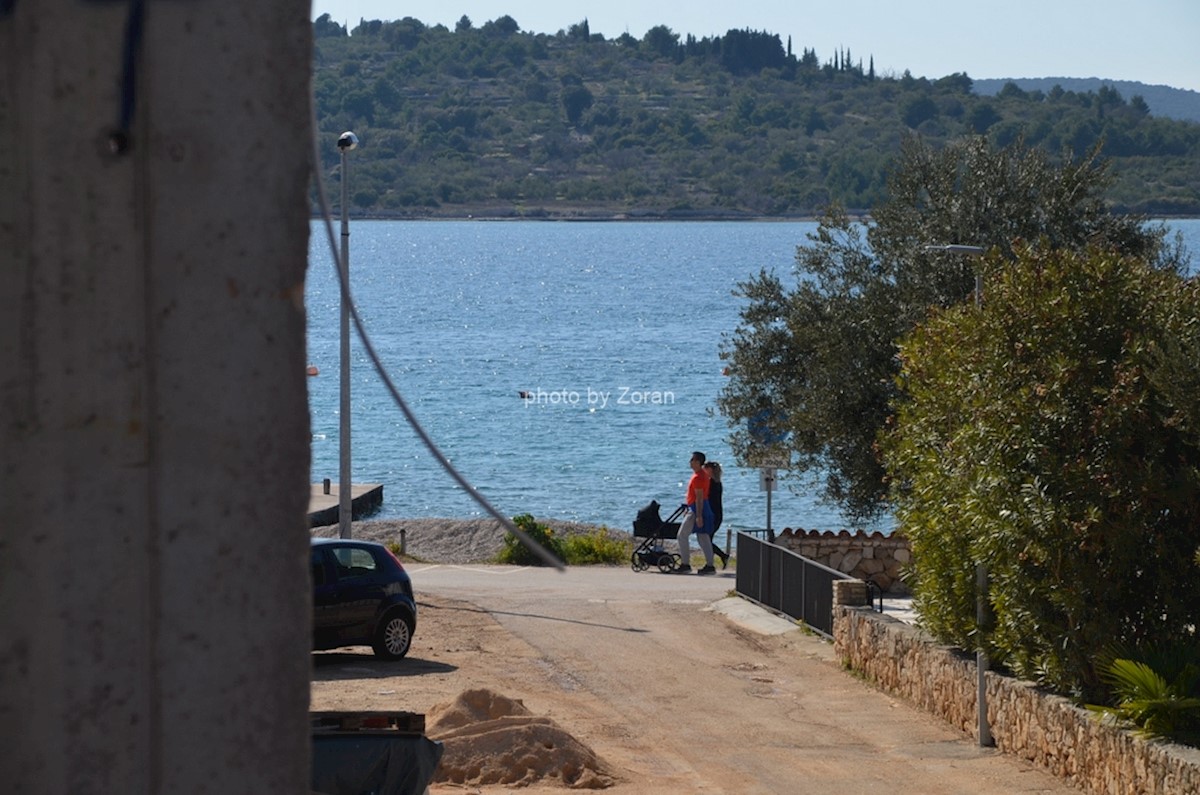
[{"x": 154, "y": 438}]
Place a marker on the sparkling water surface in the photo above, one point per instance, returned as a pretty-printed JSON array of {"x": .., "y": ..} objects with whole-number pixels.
[{"x": 610, "y": 330}]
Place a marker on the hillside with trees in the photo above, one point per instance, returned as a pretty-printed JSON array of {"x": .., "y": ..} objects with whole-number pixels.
[
  {"x": 491, "y": 120},
  {"x": 1163, "y": 101}
]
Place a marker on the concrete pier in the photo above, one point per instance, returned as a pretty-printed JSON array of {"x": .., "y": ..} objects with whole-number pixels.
[{"x": 365, "y": 499}]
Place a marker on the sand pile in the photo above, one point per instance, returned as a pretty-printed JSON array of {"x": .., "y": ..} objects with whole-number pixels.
[{"x": 490, "y": 739}]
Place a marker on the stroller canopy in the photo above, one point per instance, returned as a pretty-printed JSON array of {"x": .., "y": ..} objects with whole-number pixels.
[{"x": 648, "y": 520}]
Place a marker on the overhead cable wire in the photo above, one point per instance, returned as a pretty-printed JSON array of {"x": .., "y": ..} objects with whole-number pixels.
[{"x": 339, "y": 266}]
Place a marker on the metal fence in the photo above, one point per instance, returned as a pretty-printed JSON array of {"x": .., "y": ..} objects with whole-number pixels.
[{"x": 780, "y": 579}]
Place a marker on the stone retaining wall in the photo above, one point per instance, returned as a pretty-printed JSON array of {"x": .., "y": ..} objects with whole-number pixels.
[
  {"x": 1026, "y": 722},
  {"x": 873, "y": 556}
]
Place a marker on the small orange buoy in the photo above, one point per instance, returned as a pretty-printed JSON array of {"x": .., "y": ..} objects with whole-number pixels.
[{"x": 312, "y": 370}]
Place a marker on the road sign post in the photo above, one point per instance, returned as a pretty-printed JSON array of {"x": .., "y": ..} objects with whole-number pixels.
[
  {"x": 766, "y": 482},
  {"x": 768, "y": 432}
]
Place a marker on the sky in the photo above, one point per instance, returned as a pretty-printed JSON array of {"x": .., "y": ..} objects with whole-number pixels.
[{"x": 1149, "y": 41}]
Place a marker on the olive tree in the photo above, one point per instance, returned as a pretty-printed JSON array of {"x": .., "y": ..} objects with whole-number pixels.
[
  {"x": 1048, "y": 435},
  {"x": 813, "y": 362}
]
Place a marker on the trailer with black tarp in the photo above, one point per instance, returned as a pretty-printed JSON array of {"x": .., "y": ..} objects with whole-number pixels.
[{"x": 383, "y": 753}]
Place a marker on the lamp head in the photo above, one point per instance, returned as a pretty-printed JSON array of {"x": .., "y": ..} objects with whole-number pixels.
[{"x": 347, "y": 141}]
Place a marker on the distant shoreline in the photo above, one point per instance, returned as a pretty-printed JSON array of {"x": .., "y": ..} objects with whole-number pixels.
[
  {"x": 616, "y": 217},
  {"x": 577, "y": 212},
  {"x": 583, "y": 218}
]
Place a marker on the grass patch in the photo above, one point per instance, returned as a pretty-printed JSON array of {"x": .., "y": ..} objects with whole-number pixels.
[
  {"x": 599, "y": 547},
  {"x": 403, "y": 557}
]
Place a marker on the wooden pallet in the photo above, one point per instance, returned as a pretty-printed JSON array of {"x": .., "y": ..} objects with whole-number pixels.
[{"x": 375, "y": 721}]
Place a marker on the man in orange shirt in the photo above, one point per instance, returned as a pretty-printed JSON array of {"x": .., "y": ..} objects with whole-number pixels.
[{"x": 699, "y": 519}]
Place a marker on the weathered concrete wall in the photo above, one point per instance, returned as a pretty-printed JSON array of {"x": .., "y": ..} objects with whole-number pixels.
[
  {"x": 1047, "y": 730},
  {"x": 154, "y": 606},
  {"x": 866, "y": 556}
]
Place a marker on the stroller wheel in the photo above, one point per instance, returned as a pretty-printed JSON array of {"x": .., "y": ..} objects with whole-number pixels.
[
  {"x": 636, "y": 561},
  {"x": 666, "y": 563}
]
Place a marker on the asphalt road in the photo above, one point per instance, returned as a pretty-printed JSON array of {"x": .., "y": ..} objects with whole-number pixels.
[{"x": 683, "y": 689}]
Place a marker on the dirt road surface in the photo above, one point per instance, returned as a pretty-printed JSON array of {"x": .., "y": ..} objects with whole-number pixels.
[{"x": 671, "y": 694}]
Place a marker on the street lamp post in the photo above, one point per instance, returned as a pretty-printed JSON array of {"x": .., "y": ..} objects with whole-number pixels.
[
  {"x": 346, "y": 142},
  {"x": 982, "y": 618},
  {"x": 970, "y": 251},
  {"x": 981, "y": 658}
]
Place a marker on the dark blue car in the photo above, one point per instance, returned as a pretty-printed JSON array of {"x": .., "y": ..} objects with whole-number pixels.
[{"x": 362, "y": 596}]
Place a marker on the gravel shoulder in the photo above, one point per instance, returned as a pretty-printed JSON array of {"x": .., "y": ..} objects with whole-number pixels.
[{"x": 454, "y": 541}]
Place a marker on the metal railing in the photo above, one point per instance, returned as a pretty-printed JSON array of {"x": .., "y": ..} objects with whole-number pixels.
[{"x": 778, "y": 578}]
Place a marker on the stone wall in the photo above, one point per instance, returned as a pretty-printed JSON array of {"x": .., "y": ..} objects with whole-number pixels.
[
  {"x": 873, "y": 556},
  {"x": 1026, "y": 722}
]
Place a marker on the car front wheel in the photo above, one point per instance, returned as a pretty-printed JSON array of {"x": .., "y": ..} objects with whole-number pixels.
[{"x": 394, "y": 636}]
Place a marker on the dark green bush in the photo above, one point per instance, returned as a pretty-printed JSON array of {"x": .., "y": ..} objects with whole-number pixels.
[
  {"x": 1042, "y": 436},
  {"x": 1156, "y": 692},
  {"x": 597, "y": 547},
  {"x": 517, "y": 554}
]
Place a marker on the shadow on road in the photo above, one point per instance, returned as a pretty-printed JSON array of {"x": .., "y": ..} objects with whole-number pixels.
[
  {"x": 426, "y": 606},
  {"x": 343, "y": 665}
]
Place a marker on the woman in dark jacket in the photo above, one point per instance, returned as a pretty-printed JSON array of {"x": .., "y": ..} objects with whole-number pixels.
[{"x": 714, "y": 501}]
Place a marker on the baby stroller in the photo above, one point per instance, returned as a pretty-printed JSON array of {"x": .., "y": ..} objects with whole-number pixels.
[{"x": 649, "y": 527}]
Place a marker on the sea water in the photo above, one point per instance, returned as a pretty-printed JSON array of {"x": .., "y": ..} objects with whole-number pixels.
[{"x": 568, "y": 370}]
